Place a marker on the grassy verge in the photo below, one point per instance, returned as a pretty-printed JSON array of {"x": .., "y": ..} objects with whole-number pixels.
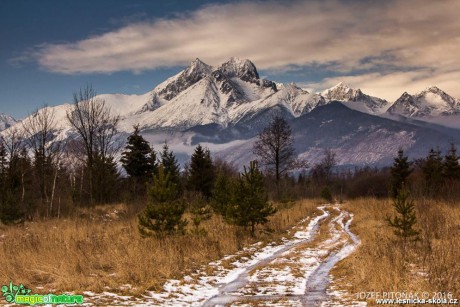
[
  {"x": 382, "y": 264},
  {"x": 100, "y": 249}
]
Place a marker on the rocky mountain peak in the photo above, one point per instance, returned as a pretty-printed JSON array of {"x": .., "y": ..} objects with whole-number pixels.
[
  {"x": 198, "y": 67},
  {"x": 342, "y": 92},
  {"x": 6, "y": 121},
  {"x": 434, "y": 90},
  {"x": 196, "y": 71},
  {"x": 429, "y": 102},
  {"x": 243, "y": 69},
  {"x": 340, "y": 86}
]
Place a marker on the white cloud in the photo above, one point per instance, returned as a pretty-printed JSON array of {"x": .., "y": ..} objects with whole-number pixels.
[{"x": 342, "y": 35}]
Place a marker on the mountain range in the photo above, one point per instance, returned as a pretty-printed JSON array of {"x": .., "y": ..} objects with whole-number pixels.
[{"x": 224, "y": 107}]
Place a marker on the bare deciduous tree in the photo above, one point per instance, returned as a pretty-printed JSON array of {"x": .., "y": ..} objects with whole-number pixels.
[
  {"x": 96, "y": 128},
  {"x": 275, "y": 147},
  {"x": 13, "y": 139},
  {"x": 322, "y": 171},
  {"x": 39, "y": 132}
]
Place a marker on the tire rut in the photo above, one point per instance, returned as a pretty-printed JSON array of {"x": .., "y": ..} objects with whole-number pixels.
[{"x": 341, "y": 243}]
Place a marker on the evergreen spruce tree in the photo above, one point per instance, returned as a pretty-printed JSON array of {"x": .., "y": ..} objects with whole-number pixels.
[
  {"x": 432, "y": 171},
  {"x": 171, "y": 166},
  {"x": 224, "y": 194},
  {"x": 163, "y": 214},
  {"x": 326, "y": 194},
  {"x": 11, "y": 187},
  {"x": 405, "y": 220},
  {"x": 202, "y": 174},
  {"x": 400, "y": 171},
  {"x": 250, "y": 206},
  {"x": 138, "y": 159},
  {"x": 106, "y": 178},
  {"x": 451, "y": 166},
  {"x": 140, "y": 162}
]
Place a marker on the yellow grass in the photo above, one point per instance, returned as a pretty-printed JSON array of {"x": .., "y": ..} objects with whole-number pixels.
[
  {"x": 101, "y": 249},
  {"x": 382, "y": 264}
]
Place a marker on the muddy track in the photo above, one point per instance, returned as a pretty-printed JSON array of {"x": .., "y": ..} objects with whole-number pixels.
[
  {"x": 339, "y": 244},
  {"x": 293, "y": 272}
]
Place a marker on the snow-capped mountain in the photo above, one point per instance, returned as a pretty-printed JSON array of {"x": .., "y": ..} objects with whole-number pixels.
[
  {"x": 224, "y": 107},
  {"x": 201, "y": 95},
  {"x": 6, "y": 121},
  {"x": 356, "y": 137},
  {"x": 355, "y": 99},
  {"x": 428, "y": 103}
]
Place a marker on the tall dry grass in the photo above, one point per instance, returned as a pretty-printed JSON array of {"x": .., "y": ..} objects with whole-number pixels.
[
  {"x": 383, "y": 264},
  {"x": 101, "y": 249}
]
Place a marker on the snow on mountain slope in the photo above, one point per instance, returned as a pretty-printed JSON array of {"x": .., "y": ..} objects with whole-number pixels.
[
  {"x": 355, "y": 99},
  {"x": 356, "y": 137},
  {"x": 6, "y": 121},
  {"x": 206, "y": 96},
  {"x": 171, "y": 87},
  {"x": 125, "y": 105},
  {"x": 301, "y": 101},
  {"x": 290, "y": 97},
  {"x": 431, "y": 102},
  {"x": 200, "y": 104}
]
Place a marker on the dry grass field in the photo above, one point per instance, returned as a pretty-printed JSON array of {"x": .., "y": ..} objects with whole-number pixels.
[
  {"x": 382, "y": 264},
  {"x": 101, "y": 249}
]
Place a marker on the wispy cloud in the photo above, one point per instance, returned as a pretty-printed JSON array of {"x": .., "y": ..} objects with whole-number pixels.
[{"x": 345, "y": 36}]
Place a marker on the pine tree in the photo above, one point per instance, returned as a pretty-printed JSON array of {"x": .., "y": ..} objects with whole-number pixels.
[
  {"x": 432, "y": 170},
  {"x": 171, "y": 166},
  {"x": 326, "y": 194},
  {"x": 400, "y": 171},
  {"x": 11, "y": 187},
  {"x": 224, "y": 194},
  {"x": 202, "y": 174},
  {"x": 405, "y": 221},
  {"x": 106, "y": 178},
  {"x": 451, "y": 166},
  {"x": 138, "y": 159},
  {"x": 250, "y": 206},
  {"x": 163, "y": 214}
]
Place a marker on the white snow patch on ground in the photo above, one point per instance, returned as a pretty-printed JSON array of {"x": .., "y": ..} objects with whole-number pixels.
[{"x": 277, "y": 274}]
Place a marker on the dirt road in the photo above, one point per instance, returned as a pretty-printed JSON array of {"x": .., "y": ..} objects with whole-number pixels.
[{"x": 295, "y": 272}]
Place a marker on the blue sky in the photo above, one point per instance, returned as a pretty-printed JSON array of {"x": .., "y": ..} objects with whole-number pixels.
[{"x": 49, "y": 49}]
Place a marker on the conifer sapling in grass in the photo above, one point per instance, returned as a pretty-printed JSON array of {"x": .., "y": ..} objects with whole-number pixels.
[
  {"x": 250, "y": 205},
  {"x": 404, "y": 220},
  {"x": 163, "y": 214}
]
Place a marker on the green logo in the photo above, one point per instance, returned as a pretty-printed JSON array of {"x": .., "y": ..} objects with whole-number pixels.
[
  {"x": 10, "y": 292},
  {"x": 21, "y": 295}
]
